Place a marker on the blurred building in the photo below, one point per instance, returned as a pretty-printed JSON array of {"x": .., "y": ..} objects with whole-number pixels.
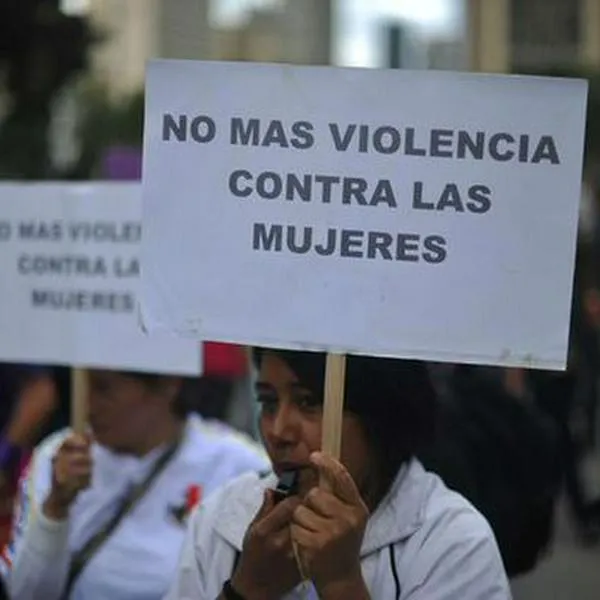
[
  {"x": 407, "y": 48},
  {"x": 403, "y": 49},
  {"x": 444, "y": 54},
  {"x": 526, "y": 35},
  {"x": 291, "y": 31},
  {"x": 136, "y": 30}
]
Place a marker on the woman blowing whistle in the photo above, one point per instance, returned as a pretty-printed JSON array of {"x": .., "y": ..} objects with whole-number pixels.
[{"x": 382, "y": 528}]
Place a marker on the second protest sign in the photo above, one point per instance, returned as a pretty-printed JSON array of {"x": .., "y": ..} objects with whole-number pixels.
[{"x": 69, "y": 271}]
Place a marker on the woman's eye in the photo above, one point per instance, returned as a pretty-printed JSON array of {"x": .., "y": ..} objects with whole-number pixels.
[
  {"x": 307, "y": 402},
  {"x": 268, "y": 402}
]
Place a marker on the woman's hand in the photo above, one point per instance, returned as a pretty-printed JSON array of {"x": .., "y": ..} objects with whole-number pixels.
[
  {"x": 71, "y": 473},
  {"x": 328, "y": 528},
  {"x": 267, "y": 569}
]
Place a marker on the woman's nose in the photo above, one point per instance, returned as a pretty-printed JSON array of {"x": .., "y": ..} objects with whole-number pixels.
[{"x": 285, "y": 423}]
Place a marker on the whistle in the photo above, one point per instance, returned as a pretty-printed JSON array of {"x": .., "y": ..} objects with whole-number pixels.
[{"x": 287, "y": 485}]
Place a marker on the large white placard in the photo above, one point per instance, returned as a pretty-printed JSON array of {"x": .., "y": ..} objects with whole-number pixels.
[
  {"x": 413, "y": 214},
  {"x": 69, "y": 276}
]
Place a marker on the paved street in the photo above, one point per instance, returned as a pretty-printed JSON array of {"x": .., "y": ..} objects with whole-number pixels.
[{"x": 571, "y": 572}]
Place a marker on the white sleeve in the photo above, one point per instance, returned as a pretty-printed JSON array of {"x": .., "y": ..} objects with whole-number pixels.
[
  {"x": 468, "y": 567},
  {"x": 36, "y": 561}
]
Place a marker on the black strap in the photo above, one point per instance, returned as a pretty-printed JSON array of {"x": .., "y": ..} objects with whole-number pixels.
[
  {"x": 395, "y": 571},
  {"x": 82, "y": 557}
]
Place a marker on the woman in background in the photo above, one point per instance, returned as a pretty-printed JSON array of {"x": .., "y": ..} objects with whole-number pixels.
[{"x": 103, "y": 515}]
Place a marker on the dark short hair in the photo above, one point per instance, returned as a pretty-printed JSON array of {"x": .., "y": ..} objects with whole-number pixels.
[
  {"x": 207, "y": 395},
  {"x": 153, "y": 381},
  {"x": 394, "y": 400}
]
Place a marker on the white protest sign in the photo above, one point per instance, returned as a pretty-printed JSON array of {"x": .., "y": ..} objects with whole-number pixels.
[
  {"x": 69, "y": 273},
  {"x": 413, "y": 214}
]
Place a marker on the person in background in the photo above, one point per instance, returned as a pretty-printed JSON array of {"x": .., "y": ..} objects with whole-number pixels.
[
  {"x": 381, "y": 528},
  {"x": 224, "y": 391},
  {"x": 102, "y": 515},
  {"x": 28, "y": 401},
  {"x": 570, "y": 397}
]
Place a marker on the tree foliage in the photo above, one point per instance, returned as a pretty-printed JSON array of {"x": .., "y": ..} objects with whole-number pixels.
[{"x": 41, "y": 51}]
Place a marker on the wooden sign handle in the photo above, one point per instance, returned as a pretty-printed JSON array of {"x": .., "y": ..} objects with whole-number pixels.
[
  {"x": 79, "y": 400},
  {"x": 333, "y": 406}
]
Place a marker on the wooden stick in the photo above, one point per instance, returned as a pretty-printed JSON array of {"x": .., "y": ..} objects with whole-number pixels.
[
  {"x": 79, "y": 400},
  {"x": 331, "y": 440},
  {"x": 333, "y": 408}
]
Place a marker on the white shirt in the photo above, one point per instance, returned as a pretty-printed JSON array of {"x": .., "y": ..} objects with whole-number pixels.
[
  {"x": 139, "y": 559},
  {"x": 423, "y": 542}
]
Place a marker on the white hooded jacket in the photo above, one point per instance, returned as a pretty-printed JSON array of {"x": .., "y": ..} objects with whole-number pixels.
[{"x": 424, "y": 542}]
